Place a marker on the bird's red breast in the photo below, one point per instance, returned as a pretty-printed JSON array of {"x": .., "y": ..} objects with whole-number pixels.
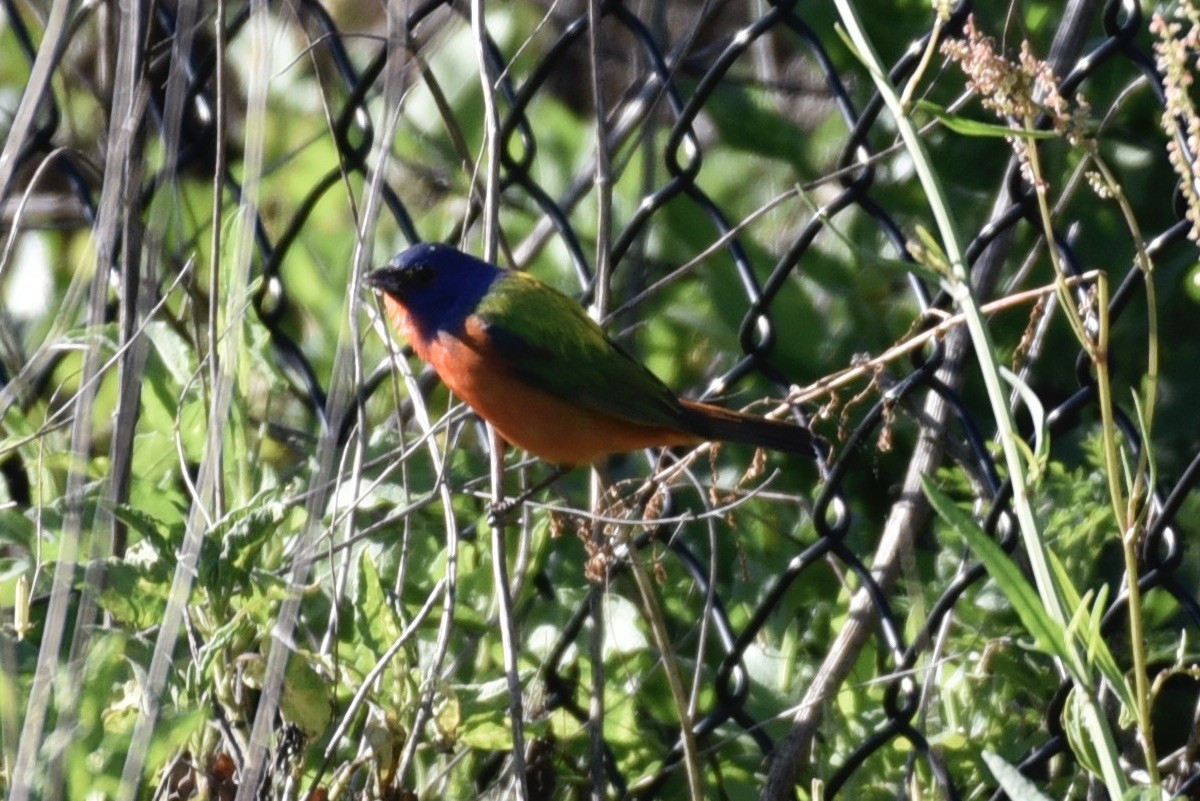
[{"x": 525, "y": 416}]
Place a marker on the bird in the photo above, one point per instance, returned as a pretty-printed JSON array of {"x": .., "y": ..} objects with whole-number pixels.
[{"x": 531, "y": 362}]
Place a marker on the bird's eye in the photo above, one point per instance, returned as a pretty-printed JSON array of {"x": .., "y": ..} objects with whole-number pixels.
[{"x": 419, "y": 276}]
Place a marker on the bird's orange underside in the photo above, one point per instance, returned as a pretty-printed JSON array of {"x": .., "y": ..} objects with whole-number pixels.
[{"x": 527, "y": 417}]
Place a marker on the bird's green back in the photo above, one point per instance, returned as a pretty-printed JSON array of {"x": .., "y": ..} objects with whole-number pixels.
[{"x": 573, "y": 359}]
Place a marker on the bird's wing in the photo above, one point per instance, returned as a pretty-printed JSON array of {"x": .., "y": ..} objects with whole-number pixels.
[{"x": 546, "y": 339}]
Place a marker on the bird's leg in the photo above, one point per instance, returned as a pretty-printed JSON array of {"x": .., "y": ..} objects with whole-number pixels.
[{"x": 499, "y": 509}]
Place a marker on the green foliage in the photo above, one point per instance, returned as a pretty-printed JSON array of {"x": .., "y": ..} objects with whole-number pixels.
[{"x": 388, "y": 686}]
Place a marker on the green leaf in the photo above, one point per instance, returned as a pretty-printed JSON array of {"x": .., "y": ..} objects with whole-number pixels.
[
  {"x": 384, "y": 734},
  {"x": 149, "y": 528},
  {"x": 1014, "y": 784},
  {"x": 1090, "y": 633},
  {"x": 304, "y": 700},
  {"x": 1020, "y": 593},
  {"x": 17, "y": 529},
  {"x": 234, "y": 547},
  {"x": 447, "y": 711},
  {"x": 486, "y": 732},
  {"x": 1041, "y": 441},
  {"x": 623, "y": 632},
  {"x": 376, "y": 626},
  {"x": 136, "y": 595},
  {"x": 1079, "y": 733},
  {"x": 176, "y": 353},
  {"x": 929, "y": 253},
  {"x": 969, "y": 127}
]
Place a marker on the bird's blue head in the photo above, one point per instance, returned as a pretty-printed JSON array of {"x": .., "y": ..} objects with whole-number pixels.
[{"x": 437, "y": 285}]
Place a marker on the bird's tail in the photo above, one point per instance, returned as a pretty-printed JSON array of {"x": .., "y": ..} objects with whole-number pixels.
[{"x": 713, "y": 422}]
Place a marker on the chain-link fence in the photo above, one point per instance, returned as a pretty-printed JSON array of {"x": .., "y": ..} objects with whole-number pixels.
[{"x": 757, "y": 207}]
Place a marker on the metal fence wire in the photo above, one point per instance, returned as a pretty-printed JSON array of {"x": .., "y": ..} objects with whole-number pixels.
[{"x": 678, "y": 87}]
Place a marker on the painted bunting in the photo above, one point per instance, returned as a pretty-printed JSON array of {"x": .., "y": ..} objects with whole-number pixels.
[{"x": 528, "y": 360}]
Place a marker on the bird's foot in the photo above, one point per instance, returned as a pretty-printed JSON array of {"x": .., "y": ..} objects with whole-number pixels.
[{"x": 497, "y": 511}]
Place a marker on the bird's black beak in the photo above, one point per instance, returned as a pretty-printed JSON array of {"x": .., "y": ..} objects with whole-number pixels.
[
  {"x": 399, "y": 281},
  {"x": 382, "y": 280}
]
